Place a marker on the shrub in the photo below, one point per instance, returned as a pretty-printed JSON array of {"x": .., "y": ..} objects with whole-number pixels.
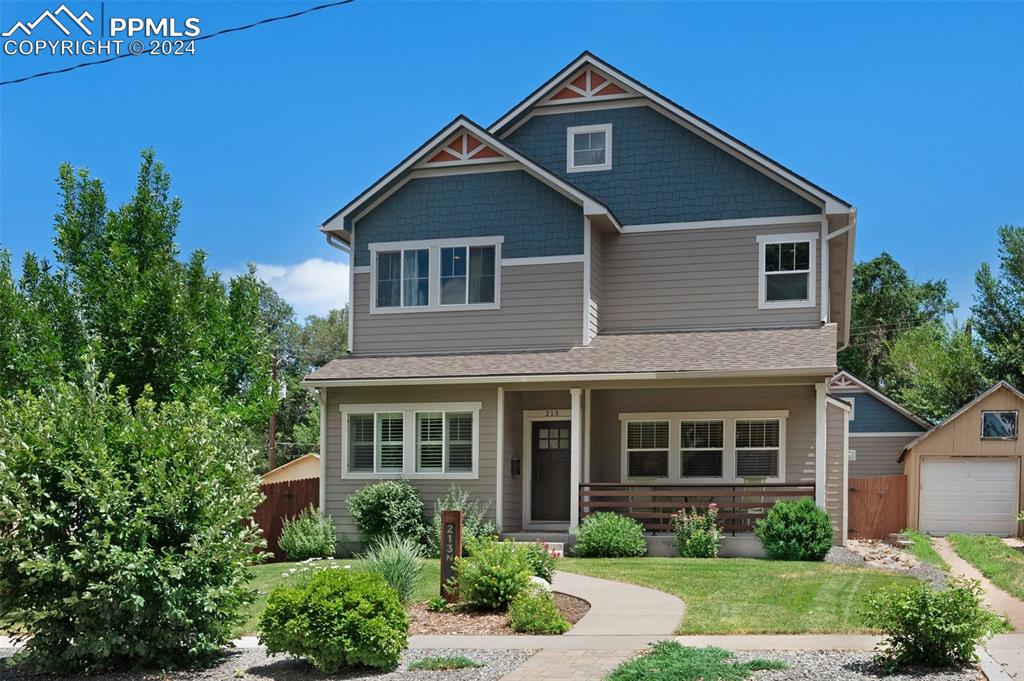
[
  {"x": 672, "y": 661},
  {"x": 928, "y": 626},
  {"x": 795, "y": 530},
  {"x": 443, "y": 664},
  {"x": 339, "y": 618},
  {"x": 475, "y": 524},
  {"x": 697, "y": 534},
  {"x": 437, "y": 604},
  {"x": 534, "y": 612},
  {"x": 385, "y": 508},
  {"x": 542, "y": 563},
  {"x": 610, "y": 535},
  {"x": 493, "y": 574},
  {"x": 123, "y": 540},
  {"x": 399, "y": 560},
  {"x": 308, "y": 535}
]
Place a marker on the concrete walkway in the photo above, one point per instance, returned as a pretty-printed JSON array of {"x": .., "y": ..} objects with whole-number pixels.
[{"x": 995, "y": 598}]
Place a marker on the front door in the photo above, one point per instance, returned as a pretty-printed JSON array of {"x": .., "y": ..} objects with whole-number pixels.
[{"x": 549, "y": 474}]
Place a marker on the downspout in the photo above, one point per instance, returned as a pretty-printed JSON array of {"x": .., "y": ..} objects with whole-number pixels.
[{"x": 345, "y": 248}]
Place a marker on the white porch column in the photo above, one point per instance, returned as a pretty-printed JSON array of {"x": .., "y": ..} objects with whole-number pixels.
[
  {"x": 820, "y": 434},
  {"x": 499, "y": 448},
  {"x": 575, "y": 451}
]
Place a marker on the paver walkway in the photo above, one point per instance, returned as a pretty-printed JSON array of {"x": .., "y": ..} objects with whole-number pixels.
[{"x": 996, "y": 599}]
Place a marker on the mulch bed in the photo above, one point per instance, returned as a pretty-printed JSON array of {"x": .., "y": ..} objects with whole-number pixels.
[{"x": 464, "y": 620}]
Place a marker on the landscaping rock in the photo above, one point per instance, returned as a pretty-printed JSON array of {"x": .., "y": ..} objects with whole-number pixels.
[
  {"x": 255, "y": 665},
  {"x": 879, "y": 554},
  {"x": 841, "y": 555},
  {"x": 842, "y": 665},
  {"x": 540, "y": 583}
]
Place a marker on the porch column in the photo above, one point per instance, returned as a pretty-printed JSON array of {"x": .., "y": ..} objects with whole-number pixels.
[
  {"x": 575, "y": 451},
  {"x": 499, "y": 449},
  {"x": 820, "y": 433}
]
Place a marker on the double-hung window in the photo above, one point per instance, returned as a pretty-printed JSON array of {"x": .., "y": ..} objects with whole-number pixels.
[
  {"x": 702, "y": 446},
  {"x": 444, "y": 442},
  {"x": 647, "y": 449},
  {"x": 403, "y": 278},
  {"x": 999, "y": 425},
  {"x": 589, "y": 147},
  {"x": 434, "y": 275},
  {"x": 757, "y": 448},
  {"x": 434, "y": 440},
  {"x": 786, "y": 270}
]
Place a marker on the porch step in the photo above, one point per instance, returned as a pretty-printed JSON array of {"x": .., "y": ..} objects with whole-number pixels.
[{"x": 555, "y": 541}]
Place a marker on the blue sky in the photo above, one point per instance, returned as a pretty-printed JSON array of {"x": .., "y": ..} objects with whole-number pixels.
[{"x": 912, "y": 111}]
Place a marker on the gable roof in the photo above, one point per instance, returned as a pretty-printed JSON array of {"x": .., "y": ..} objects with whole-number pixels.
[
  {"x": 1001, "y": 385},
  {"x": 844, "y": 380},
  {"x": 291, "y": 464},
  {"x": 690, "y": 120},
  {"x": 438, "y": 151}
]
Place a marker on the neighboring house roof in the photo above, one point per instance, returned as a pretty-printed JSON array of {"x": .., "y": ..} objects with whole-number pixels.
[
  {"x": 1001, "y": 385},
  {"x": 438, "y": 150},
  {"x": 646, "y": 355},
  {"x": 284, "y": 471},
  {"x": 832, "y": 203},
  {"x": 844, "y": 380}
]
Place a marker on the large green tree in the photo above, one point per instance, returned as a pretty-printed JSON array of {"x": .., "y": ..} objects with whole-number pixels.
[
  {"x": 935, "y": 369},
  {"x": 998, "y": 309},
  {"x": 886, "y": 303}
]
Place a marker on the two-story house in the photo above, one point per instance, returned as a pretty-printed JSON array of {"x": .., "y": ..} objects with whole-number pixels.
[{"x": 599, "y": 302}]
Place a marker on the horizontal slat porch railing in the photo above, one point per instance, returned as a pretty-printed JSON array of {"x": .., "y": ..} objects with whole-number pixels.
[{"x": 652, "y": 504}]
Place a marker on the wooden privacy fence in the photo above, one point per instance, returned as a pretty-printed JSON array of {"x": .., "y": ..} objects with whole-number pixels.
[
  {"x": 284, "y": 500},
  {"x": 878, "y": 507},
  {"x": 739, "y": 506}
]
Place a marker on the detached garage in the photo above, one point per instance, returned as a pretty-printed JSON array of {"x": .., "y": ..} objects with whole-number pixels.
[{"x": 964, "y": 475}]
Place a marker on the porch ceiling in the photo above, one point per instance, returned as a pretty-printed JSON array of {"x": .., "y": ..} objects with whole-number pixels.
[{"x": 754, "y": 351}]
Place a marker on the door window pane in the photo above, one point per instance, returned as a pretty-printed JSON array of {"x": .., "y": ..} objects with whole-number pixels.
[
  {"x": 416, "y": 278},
  {"x": 481, "y": 274},
  {"x": 389, "y": 279},
  {"x": 453, "y": 275}
]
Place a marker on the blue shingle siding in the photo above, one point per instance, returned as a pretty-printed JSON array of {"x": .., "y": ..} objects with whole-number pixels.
[
  {"x": 871, "y": 415},
  {"x": 661, "y": 172},
  {"x": 535, "y": 220}
]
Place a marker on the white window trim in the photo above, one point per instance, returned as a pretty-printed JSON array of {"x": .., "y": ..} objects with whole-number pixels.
[
  {"x": 1000, "y": 411},
  {"x": 570, "y": 141},
  {"x": 409, "y": 412},
  {"x": 762, "y": 290},
  {"x": 852, "y": 401},
  {"x": 434, "y": 246},
  {"x": 851, "y": 454},
  {"x": 728, "y": 441}
]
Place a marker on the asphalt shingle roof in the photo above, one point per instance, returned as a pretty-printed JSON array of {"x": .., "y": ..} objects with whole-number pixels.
[{"x": 694, "y": 351}]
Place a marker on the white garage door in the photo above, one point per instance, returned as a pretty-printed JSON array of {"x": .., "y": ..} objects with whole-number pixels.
[{"x": 969, "y": 495}]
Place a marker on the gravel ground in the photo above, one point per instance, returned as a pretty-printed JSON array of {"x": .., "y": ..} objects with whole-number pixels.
[
  {"x": 255, "y": 665},
  {"x": 841, "y": 555},
  {"x": 840, "y": 665}
]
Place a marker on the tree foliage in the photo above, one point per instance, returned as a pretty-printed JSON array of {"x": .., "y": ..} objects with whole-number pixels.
[
  {"x": 999, "y": 308},
  {"x": 886, "y": 303}
]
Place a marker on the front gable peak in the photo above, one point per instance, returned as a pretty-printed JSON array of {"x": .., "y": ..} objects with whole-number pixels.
[
  {"x": 464, "y": 148},
  {"x": 589, "y": 84}
]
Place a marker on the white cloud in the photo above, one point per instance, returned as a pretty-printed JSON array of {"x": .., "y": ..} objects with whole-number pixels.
[{"x": 312, "y": 286}]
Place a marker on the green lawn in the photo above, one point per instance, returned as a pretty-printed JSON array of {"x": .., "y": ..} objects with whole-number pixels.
[
  {"x": 747, "y": 596},
  {"x": 997, "y": 561},
  {"x": 266, "y": 577},
  {"x": 923, "y": 550}
]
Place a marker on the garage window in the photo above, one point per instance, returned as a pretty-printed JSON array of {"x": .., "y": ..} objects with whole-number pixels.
[{"x": 999, "y": 425}]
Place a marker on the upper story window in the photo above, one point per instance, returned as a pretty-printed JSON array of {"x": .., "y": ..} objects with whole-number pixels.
[
  {"x": 589, "y": 147},
  {"x": 417, "y": 276},
  {"x": 786, "y": 270},
  {"x": 999, "y": 425}
]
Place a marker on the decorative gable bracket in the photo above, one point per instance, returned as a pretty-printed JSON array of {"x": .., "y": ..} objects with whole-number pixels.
[
  {"x": 464, "y": 148},
  {"x": 589, "y": 84}
]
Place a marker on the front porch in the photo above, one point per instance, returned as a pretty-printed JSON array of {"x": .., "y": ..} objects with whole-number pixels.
[{"x": 647, "y": 451}]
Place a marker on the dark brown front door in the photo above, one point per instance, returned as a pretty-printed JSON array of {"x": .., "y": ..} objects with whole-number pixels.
[{"x": 549, "y": 474}]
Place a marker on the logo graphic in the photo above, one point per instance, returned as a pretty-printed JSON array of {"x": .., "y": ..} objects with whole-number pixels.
[{"x": 52, "y": 16}]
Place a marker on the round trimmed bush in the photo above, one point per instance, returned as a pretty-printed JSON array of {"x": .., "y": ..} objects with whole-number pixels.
[
  {"x": 493, "y": 574},
  {"x": 385, "y": 508},
  {"x": 308, "y": 535},
  {"x": 610, "y": 535},
  {"x": 795, "y": 530},
  {"x": 337, "y": 619}
]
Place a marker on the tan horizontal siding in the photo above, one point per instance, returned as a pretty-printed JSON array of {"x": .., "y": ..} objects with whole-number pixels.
[
  {"x": 541, "y": 307},
  {"x": 691, "y": 279},
  {"x": 835, "y": 482}
]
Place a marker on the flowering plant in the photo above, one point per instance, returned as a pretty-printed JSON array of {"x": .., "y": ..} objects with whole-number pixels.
[{"x": 697, "y": 534}]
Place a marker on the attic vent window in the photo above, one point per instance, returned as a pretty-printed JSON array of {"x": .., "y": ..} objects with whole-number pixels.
[
  {"x": 589, "y": 148},
  {"x": 999, "y": 425}
]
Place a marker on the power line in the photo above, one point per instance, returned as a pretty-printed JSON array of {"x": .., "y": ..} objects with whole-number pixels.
[{"x": 224, "y": 31}]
